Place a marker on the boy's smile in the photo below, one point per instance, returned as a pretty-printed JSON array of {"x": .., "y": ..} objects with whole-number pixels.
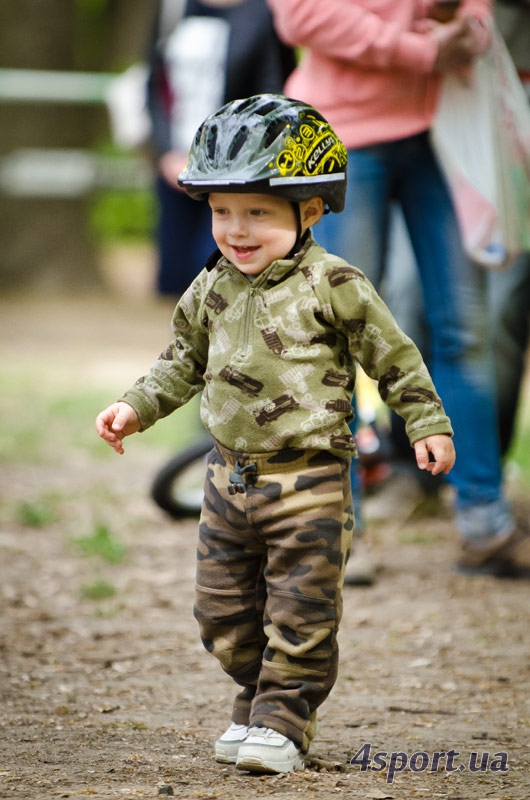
[
  {"x": 252, "y": 230},
  {"x": 243, "y": 252}
]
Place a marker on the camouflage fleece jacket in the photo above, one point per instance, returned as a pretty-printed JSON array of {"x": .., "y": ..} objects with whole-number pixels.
[{"x": 276, "y": 357}]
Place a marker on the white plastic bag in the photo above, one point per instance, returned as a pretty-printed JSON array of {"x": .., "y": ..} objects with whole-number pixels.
[
  {"x": 126, "y": 103},
  {"x": 481, "y": 134}
]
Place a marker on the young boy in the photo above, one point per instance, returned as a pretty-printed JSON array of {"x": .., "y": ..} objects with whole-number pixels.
[{"x": 271, "y": 332}]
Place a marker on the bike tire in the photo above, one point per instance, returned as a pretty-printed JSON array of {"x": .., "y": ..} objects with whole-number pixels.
[{"x": 178, "y": 486}]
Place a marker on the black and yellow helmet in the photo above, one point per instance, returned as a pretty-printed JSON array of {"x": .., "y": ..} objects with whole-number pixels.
[{"x": 267, "y": 144}]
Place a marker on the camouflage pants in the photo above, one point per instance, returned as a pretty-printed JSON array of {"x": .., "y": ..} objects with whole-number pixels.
[{"x": 270, "y": 570}]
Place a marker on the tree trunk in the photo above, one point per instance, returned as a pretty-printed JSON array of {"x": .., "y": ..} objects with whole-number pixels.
[{"x": 45, "y": 242}]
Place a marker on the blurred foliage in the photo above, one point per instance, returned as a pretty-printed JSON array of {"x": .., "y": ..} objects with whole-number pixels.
[
  {"x": 519, "y": 455},
  {"x": 122, "y": 215},
  {"x": 111, "y": 34},
  {"x": 91, "y": 23}
]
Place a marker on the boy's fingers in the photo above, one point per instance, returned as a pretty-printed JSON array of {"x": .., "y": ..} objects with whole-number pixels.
[
  {"x": 120, "y": 420},
  {"x": 123, "y": 418},
  {"x": 110, "y": 424},
  {"x": 422, "y": 455},
  {"x": 435, "y": 467},
  {"x": 436, "y": 457},
  {"x": 101, "y": 425}
]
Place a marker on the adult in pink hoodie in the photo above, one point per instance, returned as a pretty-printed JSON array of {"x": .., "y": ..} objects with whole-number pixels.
[{"x": 373, "y": 68}]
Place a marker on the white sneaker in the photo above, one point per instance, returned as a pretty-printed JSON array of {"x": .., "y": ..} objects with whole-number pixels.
[
  {"x": 265, "y": 750},
  {"x": 227, "y": 746}
]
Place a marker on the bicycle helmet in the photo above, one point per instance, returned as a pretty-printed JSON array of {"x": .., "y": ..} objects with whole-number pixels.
[{"x": 269, "y": 144}]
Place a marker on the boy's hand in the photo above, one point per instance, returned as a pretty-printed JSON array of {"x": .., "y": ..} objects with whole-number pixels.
[
  {"x": 443, "y": 453},
  {"x": 117, "y": 421}
]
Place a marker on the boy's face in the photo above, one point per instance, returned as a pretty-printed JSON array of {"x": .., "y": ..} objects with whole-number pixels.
[{"x": 252, "y": 230}]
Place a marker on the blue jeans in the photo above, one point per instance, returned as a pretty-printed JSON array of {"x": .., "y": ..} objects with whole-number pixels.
[
  {"x": 454, "y": 294},
  {"x": 509, "y": 309}
]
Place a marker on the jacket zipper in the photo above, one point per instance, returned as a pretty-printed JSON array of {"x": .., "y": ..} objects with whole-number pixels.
[{"x": 248, "y": 315}]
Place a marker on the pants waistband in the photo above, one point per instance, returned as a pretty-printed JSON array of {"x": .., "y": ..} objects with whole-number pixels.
[{"x": 285, "y": 460}]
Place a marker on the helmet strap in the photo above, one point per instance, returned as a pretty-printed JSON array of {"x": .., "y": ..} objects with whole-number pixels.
[{"x": 300, "y": 235}]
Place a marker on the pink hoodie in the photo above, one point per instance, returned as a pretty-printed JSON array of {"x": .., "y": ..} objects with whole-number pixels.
[{"x": 367, "y": 67}]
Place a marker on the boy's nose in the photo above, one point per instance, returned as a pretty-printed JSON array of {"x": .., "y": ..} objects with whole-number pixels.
[{"x": 237, "y": 225}]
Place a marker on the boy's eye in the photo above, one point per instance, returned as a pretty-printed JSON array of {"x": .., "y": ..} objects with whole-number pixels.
[{"x": 257, "y": 212}]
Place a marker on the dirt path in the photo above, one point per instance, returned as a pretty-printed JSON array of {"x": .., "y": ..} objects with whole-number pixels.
[{"x": 113, "y": 697}]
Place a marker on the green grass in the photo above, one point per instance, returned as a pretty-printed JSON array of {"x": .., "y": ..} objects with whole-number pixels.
[
  {"x": 39, "y": 512},
  {"x": 98, "y": 590},
  {"x": 101, "y": 543},
  {"x": 40, "y": 426},
  {"x": 520, "y": 450}
]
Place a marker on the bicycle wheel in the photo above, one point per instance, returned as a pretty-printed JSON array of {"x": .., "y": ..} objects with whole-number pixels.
[{"x": 178, "y": 487}]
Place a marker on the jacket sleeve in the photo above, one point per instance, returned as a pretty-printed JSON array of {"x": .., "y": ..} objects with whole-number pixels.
[
  {"x": 347, "y": 31},
  {"x": 389, "y": 357},
  {"x": 177, "y": 374}
]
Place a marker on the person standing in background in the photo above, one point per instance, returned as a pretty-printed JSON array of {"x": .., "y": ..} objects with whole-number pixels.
[
  {"x": 204, "y": 53},
  {"x": 375, "y": 74},
  {"x": 508, "y": 289}
]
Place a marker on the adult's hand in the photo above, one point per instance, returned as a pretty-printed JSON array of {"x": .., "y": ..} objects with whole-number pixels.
[{"x": 458, "y": 43}]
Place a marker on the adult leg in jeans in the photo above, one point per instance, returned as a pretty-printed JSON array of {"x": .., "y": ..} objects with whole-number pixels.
[
  {"x": 461, "y": 351},
  {"x": 403, "y": 294},
  {"x": 509, "y": 312},
  {"x": 454, "y": 294}
]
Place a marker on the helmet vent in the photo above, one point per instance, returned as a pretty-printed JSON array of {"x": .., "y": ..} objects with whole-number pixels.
[
  {"x": 266, "y": 108},
  {"x": 237, "y": 143},
  {"x": 242, "y": 105},
  {"x": 211, "y": 142},
  {"x": 273, "y": 131}
]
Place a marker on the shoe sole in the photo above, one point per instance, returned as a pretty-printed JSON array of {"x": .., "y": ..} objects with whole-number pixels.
[
  {"x": 256, "y": 764},
  {"x": 227, "y": 753},
  {"x": 496, "y": 560},
  {"x": 224, "y": 758},
  {"x": 503, "y": 569}
]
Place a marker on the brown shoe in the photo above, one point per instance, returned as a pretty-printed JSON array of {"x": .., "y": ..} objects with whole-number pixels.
[{"x": 499, "y": 556}]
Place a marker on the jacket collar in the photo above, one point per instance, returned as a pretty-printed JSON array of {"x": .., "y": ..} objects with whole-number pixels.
[{"x": 277, "y": 270}]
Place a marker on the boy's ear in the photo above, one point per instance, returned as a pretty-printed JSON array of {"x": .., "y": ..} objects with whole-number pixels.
[{"x": 311, "y": 211}]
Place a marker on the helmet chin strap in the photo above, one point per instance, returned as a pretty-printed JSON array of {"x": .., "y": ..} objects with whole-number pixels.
[
  {"x": 300, "y": 237},
  {"x": 298, "y": 215}
]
